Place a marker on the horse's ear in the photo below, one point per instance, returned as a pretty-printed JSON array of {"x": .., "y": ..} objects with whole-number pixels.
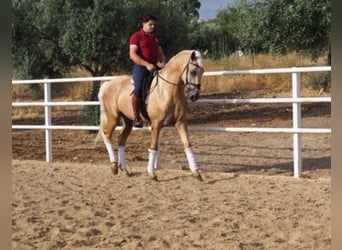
[{"x": 193, "y": 55}]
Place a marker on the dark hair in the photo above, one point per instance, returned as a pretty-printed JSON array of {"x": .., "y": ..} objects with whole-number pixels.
[{"x": 148, "y": 17}]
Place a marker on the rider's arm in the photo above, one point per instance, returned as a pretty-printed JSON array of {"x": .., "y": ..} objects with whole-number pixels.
[
  {"x": 134, "y": 56},
  {"x": 161, "y": 57}
]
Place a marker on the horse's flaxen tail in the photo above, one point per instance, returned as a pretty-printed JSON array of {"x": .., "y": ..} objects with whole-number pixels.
[
  {"x": 97, "y": 138},
  {"x": 102, "y": 115}
]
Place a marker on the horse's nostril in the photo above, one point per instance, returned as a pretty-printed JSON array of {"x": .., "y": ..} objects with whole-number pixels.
[{"x": 193, "y": 98}]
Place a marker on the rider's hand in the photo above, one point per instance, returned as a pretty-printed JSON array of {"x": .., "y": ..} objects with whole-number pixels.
[
  {"x": 161, "y": 65},
  {"x": 150, "y": 67}
]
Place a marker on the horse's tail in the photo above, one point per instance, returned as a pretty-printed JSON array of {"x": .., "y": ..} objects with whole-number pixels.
[
  {"x": 102, "y": 113},
  {"x": 97, "y": 137}
]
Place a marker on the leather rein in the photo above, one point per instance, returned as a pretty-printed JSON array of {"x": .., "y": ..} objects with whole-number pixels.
[{"x": 187, "y": 83}]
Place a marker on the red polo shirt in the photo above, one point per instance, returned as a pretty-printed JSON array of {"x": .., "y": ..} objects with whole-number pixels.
[{"x": 148, "y": 45}]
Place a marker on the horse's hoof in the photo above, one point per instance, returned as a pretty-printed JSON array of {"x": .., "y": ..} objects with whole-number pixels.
[
  {"x": 126, "y": 172},
  {"x": 152, "y": 176},
  {"x": 197, "y": 175},
  {"x": 114, "y": 168}
]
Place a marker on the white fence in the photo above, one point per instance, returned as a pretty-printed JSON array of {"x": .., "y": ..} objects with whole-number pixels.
[{"x": 296, "y": 101}]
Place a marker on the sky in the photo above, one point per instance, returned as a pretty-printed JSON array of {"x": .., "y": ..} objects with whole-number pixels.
[{"x": 209, "y": 7}]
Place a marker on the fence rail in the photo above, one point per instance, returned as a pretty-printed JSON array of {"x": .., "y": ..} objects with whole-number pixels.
[{"x": 296, "y": 101}]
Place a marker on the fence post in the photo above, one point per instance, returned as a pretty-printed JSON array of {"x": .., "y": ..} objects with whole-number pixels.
[
  {"x": 48, "y": 132},
  {"x": 296, "y": 115}
]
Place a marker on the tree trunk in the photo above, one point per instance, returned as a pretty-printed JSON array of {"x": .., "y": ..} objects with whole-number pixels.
[{"x": 94, "y": 91}]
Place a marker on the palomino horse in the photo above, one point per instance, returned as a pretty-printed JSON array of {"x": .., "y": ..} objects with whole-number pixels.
[{"x": 167, "y": 105}]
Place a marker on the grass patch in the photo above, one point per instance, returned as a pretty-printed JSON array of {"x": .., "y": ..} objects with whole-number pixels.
[{"x": 256, "y": 81}]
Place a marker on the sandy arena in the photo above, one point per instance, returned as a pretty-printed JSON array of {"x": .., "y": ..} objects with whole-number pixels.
[{"x": 248, "y": 200}]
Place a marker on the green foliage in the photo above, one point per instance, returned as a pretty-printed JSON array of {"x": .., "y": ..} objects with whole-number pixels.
[
  {"x": 319, "y": 80},
  {"x": 243, "y": 22},
  {"x": 90, "y": 114},
  {"x": 49, "y": 37},
  {"x": 212, "y": 36},
  {"x": 279, "y": 27},
  {"x": 35, "y": 51},
  {"x": 93, "y": 36},
  {"x": 297, "y": 25}
]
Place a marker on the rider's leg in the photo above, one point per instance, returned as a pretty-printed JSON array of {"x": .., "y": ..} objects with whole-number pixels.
[{"x": 139, "y": 73}]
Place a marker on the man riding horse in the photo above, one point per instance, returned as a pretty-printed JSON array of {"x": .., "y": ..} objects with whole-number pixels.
[
  {"x": 145, "y": 52},
  {"x": 170, "y": 88}
]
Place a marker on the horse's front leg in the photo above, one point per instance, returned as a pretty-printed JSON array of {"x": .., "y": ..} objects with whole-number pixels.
[
  {"x": 183, "y": 133},
  {"x": 153, "y": 153}
]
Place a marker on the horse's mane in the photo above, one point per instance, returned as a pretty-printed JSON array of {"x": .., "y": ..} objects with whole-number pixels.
[
  {"x": 179, "y": 54},
  {"x": 183, "y": 54}
]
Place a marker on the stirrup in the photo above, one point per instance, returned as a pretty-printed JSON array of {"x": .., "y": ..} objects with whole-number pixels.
[{"x": 137, "y": 122}]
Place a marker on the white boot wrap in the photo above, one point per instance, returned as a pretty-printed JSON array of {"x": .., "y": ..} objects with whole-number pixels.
[
  {"x": 110, "y": 151},
  {"x": 191, "y": 159},
  {"x": 122, "y": 157},
  {"x": 151, "y": 160},
  {"x": 157, "y": 162}
]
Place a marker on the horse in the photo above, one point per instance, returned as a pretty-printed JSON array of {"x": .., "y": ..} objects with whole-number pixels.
[{"x": 167, "y": 105}]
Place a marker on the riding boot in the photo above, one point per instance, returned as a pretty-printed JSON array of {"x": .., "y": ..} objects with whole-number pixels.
[{"x": 137, "y": 122}]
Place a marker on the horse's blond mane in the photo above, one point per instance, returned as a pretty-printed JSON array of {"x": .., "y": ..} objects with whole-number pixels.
[
  {"x": 175, "y": 57},
  {"x": 186, "y": 54}
]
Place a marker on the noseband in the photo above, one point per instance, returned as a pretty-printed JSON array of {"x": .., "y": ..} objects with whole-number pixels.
[{"x": 188, "y": 84}]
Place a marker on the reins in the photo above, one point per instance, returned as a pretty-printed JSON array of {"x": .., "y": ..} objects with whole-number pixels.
[{"x": 187, "y": 83}]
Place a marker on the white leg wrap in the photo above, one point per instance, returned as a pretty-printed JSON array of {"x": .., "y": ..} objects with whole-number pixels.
[
  {"x": 110, "y": 151},
  {"x": 122, "y": 157},
  {"x": 151, "y": 160},
  {"x": 157, "y": 161},
  {"x": 191, "y": 159}
]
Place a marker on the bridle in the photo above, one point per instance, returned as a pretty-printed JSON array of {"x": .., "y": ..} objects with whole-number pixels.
[{"x": 190, "y": 85}]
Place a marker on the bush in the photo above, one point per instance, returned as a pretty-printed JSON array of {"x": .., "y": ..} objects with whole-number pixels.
[{"x": 319, "y": 80}]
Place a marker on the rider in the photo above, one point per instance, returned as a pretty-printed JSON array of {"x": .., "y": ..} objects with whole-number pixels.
[{"x": 145, "y": 51}]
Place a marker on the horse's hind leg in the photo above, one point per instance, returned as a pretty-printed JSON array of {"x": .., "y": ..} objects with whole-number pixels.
[
  {"x": 122, "y": 139},
  {"x": 107, "y": 128}
]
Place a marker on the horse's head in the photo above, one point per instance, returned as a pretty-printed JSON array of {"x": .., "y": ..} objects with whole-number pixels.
[{"x": 192, "y": 75}]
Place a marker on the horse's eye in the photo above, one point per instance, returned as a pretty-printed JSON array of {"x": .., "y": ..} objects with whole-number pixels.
[{"x": 193, "y": 72}]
